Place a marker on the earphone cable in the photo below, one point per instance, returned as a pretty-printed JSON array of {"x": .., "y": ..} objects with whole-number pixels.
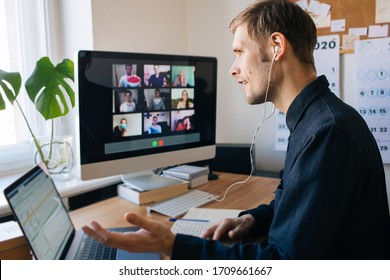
[{"x": 255, "y": 134}]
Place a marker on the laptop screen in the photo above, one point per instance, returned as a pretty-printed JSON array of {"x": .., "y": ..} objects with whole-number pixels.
[{"x": 42, "y": 216}]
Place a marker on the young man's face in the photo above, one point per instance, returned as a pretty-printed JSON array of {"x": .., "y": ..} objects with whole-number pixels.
[
  {"x": 128, "y": 97},
  {"x": 251, "y": 67},
  {"x": 129, "y": 69}
]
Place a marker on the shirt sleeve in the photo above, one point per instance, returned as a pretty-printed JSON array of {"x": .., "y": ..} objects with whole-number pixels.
[
  {"x": 263, "y": 215},
  {"x": 194, "y": 248}
]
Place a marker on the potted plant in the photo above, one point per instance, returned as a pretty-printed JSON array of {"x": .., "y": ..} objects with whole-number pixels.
[{"x": 43, "y": 89}]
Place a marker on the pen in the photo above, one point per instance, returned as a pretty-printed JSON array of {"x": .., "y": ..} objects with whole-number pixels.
[{"x": 187, "y": 220}]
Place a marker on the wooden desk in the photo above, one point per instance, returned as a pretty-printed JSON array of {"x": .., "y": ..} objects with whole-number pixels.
[{"x": 110, "y": 212}]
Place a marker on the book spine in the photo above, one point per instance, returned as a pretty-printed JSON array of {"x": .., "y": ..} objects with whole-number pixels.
[
  {"x": 156, "y": 195},
  {"x": 128, "y": 194},
  {"x": 163, "y": 194}
]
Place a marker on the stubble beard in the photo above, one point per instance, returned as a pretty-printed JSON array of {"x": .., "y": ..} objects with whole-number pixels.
[{"x": 255, "y": 96}]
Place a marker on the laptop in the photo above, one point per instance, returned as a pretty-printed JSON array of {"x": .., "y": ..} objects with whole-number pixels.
[{"x": 47, "y": 227}]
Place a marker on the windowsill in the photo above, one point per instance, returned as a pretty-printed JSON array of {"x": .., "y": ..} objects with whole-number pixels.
[{"x": 69, "y": 188}]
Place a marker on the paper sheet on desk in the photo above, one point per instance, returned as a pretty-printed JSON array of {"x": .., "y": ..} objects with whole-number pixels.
[
  {"x": 196, "y": 228},
  {"x": 9, "y": 230}
]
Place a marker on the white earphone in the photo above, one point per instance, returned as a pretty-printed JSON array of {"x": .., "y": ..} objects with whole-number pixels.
[{"x": 276, "y": 50}]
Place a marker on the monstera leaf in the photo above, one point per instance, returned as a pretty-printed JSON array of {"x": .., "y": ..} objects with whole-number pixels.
[
  {"x": 47, "y": 86},
  {"x": 10, "y": 83},
  {"x": 49, "y": 89}
]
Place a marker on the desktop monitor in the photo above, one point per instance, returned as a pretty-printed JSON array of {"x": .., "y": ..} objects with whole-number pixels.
[{"x": 138, "y": 112}]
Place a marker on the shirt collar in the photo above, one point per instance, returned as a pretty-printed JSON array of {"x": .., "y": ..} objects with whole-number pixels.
[{"x": 303, "y": 100}]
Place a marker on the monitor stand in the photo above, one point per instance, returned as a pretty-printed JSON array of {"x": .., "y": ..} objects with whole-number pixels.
[{"x": 148, "y": 180}]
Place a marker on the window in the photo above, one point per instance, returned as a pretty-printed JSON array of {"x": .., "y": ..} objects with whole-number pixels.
[
  {"x": 9, "y": 42},
  {"x": 23, "y": 41}
]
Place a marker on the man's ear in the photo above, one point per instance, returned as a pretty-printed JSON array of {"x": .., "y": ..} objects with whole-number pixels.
[{"x": 279, "y": 43}]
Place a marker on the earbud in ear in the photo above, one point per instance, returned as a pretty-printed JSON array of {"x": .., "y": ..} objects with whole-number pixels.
[{"x": 276, "y": 50}]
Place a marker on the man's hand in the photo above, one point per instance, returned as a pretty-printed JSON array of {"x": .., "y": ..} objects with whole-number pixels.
[
  {"x": 235, "y": 229},
  {"x": 152, "y": 236}
]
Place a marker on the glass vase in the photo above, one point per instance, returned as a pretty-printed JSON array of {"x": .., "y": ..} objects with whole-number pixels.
[{"x": 57, "y": 155}]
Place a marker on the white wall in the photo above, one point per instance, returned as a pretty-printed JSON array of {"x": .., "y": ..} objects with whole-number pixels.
[
  {"x": 76, "y": 16},
  {"x": 198, "y": 27},
  {"x": 140, "y": 26}
]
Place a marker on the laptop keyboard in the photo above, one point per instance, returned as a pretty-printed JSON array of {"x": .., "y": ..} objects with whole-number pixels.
[{"x": 93, "y": 250}]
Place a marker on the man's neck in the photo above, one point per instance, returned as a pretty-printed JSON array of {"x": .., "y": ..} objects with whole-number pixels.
[{"x": 291, "y": 87}]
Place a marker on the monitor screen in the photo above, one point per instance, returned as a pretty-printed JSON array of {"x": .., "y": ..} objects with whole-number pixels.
[{"x": 139, "y": 111}]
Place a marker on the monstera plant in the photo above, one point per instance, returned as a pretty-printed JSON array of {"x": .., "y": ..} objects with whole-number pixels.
[{"x": 47, "y": 88}]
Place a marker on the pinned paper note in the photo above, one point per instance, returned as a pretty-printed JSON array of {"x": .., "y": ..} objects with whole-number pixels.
[
  {"x": 380, "y": 30},
  {"x": 337, "y": 25},
  {"x": 321, "y": 21},
  {"x": 303, "y": 4},
  {"x": 348, "y": 41},
  {"x": 318, "y": 8},
  {"x": 319, "y": 12},
  {"x": 358, "y": 31},
  {"x": 382, "y": 14}
]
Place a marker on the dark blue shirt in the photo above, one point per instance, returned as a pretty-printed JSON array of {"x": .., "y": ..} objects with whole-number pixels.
[
  {"x": 155, "y": 81},
  {"x": 331, "y": 202}
]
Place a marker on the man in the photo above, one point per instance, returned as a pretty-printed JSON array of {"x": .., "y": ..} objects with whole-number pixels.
[
  {"x": 331, "y": 202},
  {"x": 128, "y": 105},
  {"x": 155, "y": 127},
  {"x": 157, "y": 102},
  {"x": 156, "y": 80},
  {"x": 123, "y": 81}
]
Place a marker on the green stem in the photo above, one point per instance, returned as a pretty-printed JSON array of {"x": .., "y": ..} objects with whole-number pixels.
[
  {"x": 51, "y": 140},
  {"x": 36, "y": 142}
]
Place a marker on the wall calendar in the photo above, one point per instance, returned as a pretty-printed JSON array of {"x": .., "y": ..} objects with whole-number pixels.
[{"x": 373, "y": 89}]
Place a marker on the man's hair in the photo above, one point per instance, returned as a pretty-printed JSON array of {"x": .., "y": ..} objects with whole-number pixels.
[{"x": 264, "y": 17}]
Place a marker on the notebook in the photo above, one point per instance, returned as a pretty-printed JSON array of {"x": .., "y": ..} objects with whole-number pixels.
[
  {"x": 46, "y": 224},
  {"x": 198, "y": 220}
]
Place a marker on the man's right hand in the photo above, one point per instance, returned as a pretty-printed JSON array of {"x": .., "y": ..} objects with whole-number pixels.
[{"x": 235, "y": 229}]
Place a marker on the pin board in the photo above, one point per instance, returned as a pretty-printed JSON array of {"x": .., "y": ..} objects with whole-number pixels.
[{"x": 340, "y": 16}]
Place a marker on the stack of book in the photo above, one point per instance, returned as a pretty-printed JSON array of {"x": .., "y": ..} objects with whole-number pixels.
[
  {"x": 195, "y": 175},
  {"x": 172, "y": 188}
]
